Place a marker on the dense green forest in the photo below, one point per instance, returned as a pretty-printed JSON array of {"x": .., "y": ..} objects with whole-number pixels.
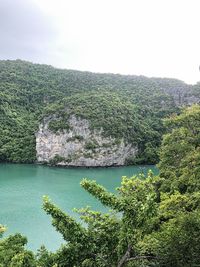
[
  {"x": 154, "y": 221},
  {"x": 129, "y": 107}
]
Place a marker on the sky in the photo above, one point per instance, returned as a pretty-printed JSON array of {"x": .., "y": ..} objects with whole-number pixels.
[{"x": 155, "y": 38}]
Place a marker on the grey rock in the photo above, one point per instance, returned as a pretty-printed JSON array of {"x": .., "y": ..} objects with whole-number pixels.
[
  {"x": 183, "y": 95},
  {"x": 107, "y": 151}
]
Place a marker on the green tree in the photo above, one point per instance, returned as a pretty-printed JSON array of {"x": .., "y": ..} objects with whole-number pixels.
[
  {"x": 14, "y": 254},
  {"x": 180, "y": 152},
  {"x": 176, "y": 240},
  {"x": 109, "y": 239},
  {"x": 45, "y": 258},
  {"x": 2, "y": 230}
]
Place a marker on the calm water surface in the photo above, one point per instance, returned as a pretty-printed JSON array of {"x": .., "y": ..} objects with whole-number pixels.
[{"x": 22, "y": 188}]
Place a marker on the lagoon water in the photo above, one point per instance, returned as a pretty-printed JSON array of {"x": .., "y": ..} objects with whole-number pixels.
[{"x": 22, "y": 187}]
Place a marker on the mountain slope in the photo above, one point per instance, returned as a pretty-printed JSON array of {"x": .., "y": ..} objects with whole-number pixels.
[{"x": 128, "y": 108}]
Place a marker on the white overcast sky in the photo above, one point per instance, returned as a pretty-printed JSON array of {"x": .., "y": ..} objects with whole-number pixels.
[{"x": 143, "y": 37}]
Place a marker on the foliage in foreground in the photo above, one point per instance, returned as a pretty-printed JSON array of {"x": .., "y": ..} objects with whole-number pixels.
[
  {"x": 180, "y": 152},
  {"x": 155, "y": 221},
  {"x": 14, "y": 254},
  {"x": 107, "y": 236},
  {"x": 153, "y": 229}
]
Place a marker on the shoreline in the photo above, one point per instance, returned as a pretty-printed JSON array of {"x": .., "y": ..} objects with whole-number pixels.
[{"x": 78, "y": 167}]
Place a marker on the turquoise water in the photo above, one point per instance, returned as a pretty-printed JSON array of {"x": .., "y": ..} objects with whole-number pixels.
[{"x": 22, "y": 188}]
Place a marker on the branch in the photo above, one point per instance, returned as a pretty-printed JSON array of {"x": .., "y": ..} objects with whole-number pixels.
[
  {"x": 125, "y": 258},
  {"x": 99, "y": 192},
  {"x": 66, "y": 225},
  {"x": 141, "y": 258}
]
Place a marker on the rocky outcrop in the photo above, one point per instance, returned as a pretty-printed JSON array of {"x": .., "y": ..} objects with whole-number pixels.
[
  {"x": 183, "y": 94},
  {"x": 80, "y": 146}
]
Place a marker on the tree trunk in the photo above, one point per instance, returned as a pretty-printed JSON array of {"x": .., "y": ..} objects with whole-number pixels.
[{"x": 125, "y": 257}]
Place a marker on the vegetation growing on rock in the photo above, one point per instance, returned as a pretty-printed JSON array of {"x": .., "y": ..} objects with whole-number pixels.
[{"x": 129, "y": 107}]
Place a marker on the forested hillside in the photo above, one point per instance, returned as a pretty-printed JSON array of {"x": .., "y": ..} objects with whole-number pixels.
[{"x": 129, "y": 107}]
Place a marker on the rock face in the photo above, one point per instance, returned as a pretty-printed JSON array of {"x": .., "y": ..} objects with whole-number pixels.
[
  {"x": 80, "y": 146},
  {"x": 183, "y": 96}
]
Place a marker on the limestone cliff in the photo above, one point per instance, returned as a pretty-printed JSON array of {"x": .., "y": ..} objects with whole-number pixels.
[{"x": 80, "y": 146}]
